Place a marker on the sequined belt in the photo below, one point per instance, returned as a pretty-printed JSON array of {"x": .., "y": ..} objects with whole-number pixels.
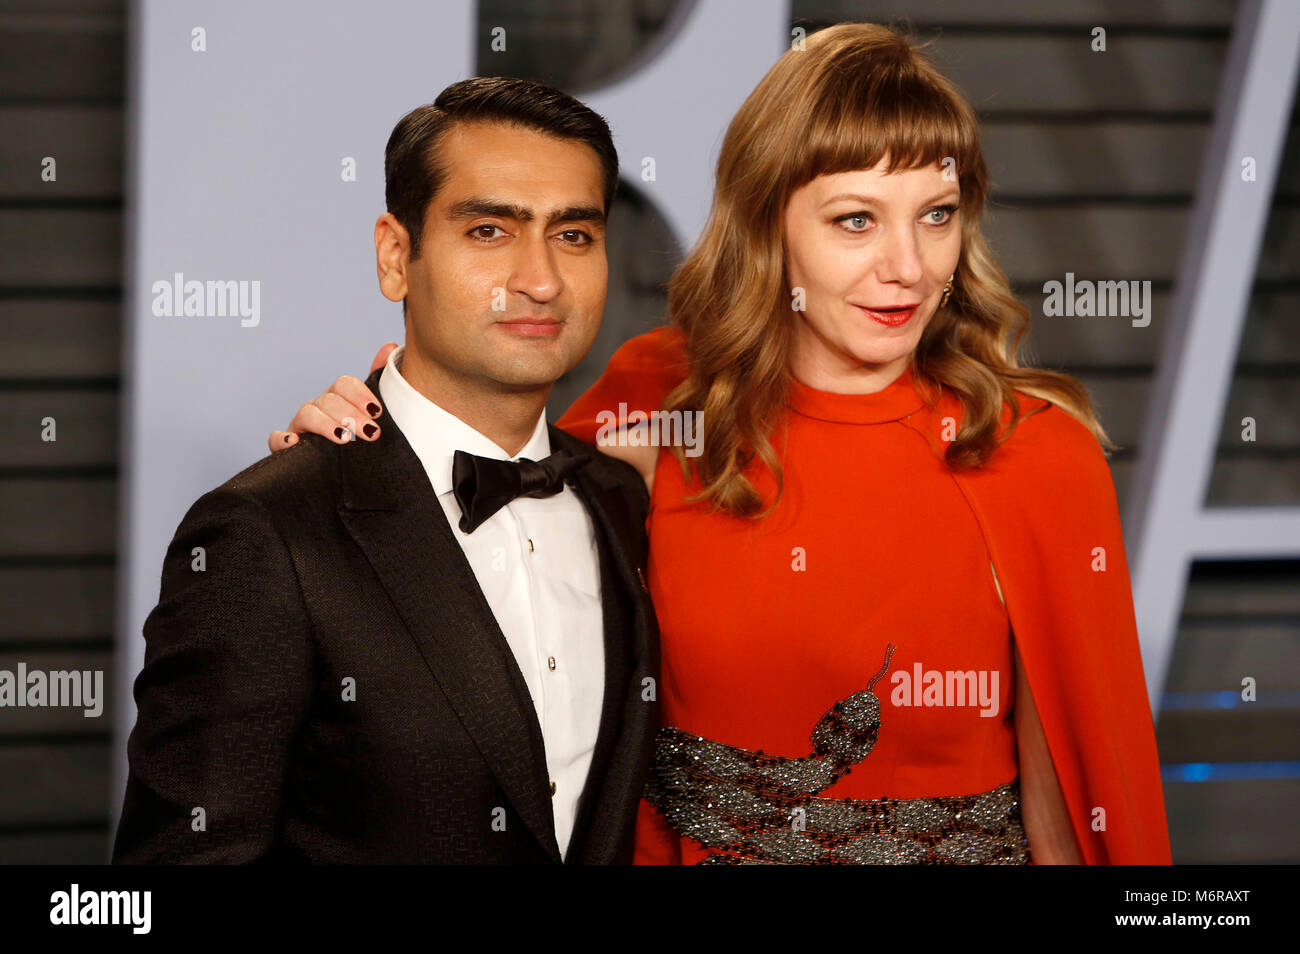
[{"x": 748, "y": 807}]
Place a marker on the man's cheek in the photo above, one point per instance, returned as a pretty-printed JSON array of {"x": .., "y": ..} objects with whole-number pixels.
[
  {"x": 594, "y": 285},
  {"x": 481, "y": 293}
]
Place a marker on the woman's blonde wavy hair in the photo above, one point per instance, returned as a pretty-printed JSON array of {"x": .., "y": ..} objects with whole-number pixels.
[{"x": 857, "y": 94}]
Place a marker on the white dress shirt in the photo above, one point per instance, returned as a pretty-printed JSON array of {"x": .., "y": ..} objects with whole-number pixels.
[{"x": 536, "y": 562}]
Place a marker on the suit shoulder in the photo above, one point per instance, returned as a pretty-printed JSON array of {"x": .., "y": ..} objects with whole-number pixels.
[{"x": 286, "y": 478}]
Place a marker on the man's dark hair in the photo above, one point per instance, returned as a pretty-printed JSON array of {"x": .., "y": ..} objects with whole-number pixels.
[{"x": 413, "y": 171}]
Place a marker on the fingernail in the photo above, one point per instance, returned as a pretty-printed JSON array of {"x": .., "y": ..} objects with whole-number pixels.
[
  {"x": 369, "y": 430},
  {"x": 373, "y": 409},
  {"x": 339, "y": 433}
]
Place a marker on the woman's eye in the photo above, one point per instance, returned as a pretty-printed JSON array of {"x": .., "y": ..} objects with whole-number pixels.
[
  {"x": 945, "y": 210},
  {"x": 854, "y": 222}
]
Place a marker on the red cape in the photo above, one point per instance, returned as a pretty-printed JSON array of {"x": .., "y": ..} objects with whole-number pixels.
[{"x": 1046, "y": 504}]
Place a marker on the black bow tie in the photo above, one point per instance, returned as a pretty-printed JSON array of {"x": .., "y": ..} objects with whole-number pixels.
[{"x": 483, "y": 485}]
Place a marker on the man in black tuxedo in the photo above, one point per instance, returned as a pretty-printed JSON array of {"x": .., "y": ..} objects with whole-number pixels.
[{"x": 434, "y": 646}]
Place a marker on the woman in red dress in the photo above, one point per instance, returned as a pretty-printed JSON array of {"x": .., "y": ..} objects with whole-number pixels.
[{"x": 896, "y": 617}]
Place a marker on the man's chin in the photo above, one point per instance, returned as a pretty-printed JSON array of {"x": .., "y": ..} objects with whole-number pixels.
[
  {"x": 535, "y": 363},
  {"x": 531, "y": 376}
]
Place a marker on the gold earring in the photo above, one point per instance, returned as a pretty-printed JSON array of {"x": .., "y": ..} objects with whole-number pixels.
[{"x": 947, "y": 291}]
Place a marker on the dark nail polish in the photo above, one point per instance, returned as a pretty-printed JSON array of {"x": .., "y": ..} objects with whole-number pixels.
[
  {"x": 373, "y": 409},
  {"x": 339, "y": 433},
  {"x": 369, "y": 430}
]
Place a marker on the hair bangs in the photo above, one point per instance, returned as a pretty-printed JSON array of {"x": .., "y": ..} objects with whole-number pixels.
[{"x": 864, "y": 116}]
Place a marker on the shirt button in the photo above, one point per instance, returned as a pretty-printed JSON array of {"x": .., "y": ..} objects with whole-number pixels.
[
  {"x": 552, "y": 788},
  {"x": 550, "y": 662}
]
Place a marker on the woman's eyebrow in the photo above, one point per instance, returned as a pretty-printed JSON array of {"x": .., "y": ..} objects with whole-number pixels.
[{"x": 876, "y": 200}]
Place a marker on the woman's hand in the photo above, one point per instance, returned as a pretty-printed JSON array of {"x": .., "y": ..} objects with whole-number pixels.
[{"x": 346, "y": 410}]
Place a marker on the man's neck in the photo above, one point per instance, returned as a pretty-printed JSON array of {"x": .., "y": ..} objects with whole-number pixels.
[{"x": 507, "y": 418}]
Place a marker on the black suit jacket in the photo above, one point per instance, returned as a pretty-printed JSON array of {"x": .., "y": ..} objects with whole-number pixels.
[{"x": 330, "y": 568}]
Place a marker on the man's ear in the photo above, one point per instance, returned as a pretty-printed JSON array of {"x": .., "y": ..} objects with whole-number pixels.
[{"x": 392, "y": 256}]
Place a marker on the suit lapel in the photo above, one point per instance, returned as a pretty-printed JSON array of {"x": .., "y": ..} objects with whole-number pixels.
[
  {"x": 606, "y": 502},
  {"x": 391, "y": 512}
]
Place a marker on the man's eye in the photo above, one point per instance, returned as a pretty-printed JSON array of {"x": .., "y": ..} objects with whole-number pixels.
[
  {"x": 479, "y": 230},
  {"x": 576, "y": 237}
]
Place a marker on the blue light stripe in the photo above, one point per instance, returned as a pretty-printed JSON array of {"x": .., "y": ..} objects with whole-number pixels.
[
  {"x": 1230, "y": 699},
  {"x": 1228, "y": 771}
]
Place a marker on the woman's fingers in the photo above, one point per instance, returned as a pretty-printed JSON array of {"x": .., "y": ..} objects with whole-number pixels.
[
  {"x": 354, "y": 391},
  {"x": 348, "y": 408},
  {"x": 279, "y": 440},
  {"x": 332, "y": 416},
  {"x": 381, "y": 358}
]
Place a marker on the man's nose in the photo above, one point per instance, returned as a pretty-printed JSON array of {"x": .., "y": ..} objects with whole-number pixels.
[{"x": 535, "y": 273}]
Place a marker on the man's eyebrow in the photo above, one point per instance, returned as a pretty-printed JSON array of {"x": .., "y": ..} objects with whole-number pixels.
[
  {"x": 471, "y": 208},
  {"x": 577, "y": 213}
]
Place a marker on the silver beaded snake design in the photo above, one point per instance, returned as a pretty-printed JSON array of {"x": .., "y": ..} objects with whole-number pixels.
[{"x": 748, "y": 807}]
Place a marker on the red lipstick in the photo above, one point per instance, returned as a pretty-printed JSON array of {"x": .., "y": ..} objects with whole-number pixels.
[{"x": 892, "y": 317}]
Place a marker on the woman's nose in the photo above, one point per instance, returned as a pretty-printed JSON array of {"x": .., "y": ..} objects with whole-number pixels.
[{"x": 900, "y": 258}]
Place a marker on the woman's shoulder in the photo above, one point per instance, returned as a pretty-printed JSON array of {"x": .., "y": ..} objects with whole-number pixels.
[
  {"x": 660, "y": 351},
  {"x": 1048, "y": 445},
  {"x": 1052, "y": 437},
  {"x": 1050, "y": 458},
  {"x": 638, "y": 377},
  {"x": 1047, "y": 485}
]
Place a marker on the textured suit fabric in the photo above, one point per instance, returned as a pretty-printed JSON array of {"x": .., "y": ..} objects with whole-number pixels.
[{"x": 332, "y": 569}]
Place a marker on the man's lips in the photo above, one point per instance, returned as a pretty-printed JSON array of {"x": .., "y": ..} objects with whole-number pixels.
[{"x": 532, "y": 326}]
